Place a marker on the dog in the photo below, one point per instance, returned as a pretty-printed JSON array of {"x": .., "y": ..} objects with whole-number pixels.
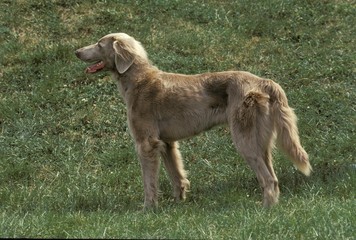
[{"x": 163, "y": 108}]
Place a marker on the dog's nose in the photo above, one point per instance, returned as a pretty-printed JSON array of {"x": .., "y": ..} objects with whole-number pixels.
[{"x": 77, "y": 53}]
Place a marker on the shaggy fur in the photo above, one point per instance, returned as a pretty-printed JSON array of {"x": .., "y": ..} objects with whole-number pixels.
[{"x": 165, "y": 107}]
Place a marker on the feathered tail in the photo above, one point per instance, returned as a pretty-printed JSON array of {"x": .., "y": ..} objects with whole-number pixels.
[{"x": 287, "y": 131}]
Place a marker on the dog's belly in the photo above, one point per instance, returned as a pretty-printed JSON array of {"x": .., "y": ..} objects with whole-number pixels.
[{"x": 190, "y": 124}]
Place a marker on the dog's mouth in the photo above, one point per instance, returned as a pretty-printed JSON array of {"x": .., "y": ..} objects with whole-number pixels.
[{"x": 95, "y": 67}]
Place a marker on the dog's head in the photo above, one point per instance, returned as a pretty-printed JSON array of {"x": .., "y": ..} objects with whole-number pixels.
[{"x": 113, "y": 52}]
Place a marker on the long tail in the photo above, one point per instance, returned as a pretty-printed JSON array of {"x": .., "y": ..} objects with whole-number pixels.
[{"x": 286, "y": 126}]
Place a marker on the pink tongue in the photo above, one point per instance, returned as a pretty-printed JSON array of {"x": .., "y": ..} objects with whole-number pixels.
[{"x": 94, "y": 68}]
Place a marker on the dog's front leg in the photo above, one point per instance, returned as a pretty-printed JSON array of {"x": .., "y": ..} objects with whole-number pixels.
[
  {"x": 150, "y": 168},
  {"x": 148, "y": 152},
  {"x": 173, "y": 163}
]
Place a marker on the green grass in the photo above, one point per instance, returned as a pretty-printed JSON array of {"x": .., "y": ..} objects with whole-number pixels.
[{"x": 67, "y": 162}]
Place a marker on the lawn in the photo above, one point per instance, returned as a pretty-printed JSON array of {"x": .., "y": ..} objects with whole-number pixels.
[{"x": 67, "y": 162}]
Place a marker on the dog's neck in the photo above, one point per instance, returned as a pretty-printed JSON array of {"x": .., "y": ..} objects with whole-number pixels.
[
  {"x": 122, "y": 84},
  {"x": 128, "y": 80}
]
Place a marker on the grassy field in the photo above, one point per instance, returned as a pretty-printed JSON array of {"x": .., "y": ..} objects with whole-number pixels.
[{"x": 67, "y": 162}]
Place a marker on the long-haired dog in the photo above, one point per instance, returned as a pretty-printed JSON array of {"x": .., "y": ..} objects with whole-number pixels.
[{"x": 165, "y": 107}]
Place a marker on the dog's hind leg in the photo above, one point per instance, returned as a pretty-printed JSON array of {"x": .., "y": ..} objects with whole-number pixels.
[
  {"x": 254, "y": 157},
  {"x": 269, "y": 163},
  {"x": 173, "y": 163},
  {"x": 148, "y": 151},
  {"x": 252, "y": 133}
]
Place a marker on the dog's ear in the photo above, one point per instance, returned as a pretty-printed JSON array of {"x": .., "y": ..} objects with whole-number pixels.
[{"x": 123, "y": 57}]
